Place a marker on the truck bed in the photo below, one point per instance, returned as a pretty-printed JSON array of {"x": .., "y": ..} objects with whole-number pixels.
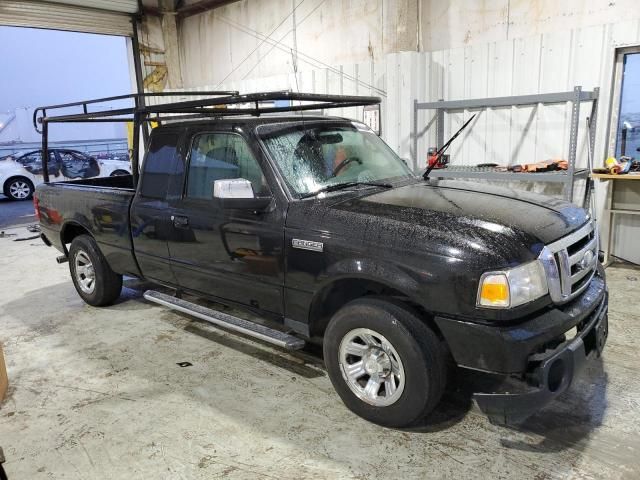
[{"x": 98, "y": 205}]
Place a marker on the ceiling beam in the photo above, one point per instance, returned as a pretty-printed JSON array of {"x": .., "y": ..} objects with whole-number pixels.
[{"x": 201, "y": 6}]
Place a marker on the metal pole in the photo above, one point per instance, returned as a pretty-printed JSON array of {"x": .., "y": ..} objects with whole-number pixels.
[
  {"x": 573, "y": 142},
  {"x": 593, "y": 121},
  {"x": 439, "y": 126},
  {"x": 415, "y": 134},
  {"x": 137, "y": 65},
  {"x": 45, "y": 150},
  {"x": 590, "y": 193},
  {"x": 135, "y": 154}
]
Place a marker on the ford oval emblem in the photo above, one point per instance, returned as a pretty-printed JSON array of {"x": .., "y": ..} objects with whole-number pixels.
[{"x": 586, "y": 260}]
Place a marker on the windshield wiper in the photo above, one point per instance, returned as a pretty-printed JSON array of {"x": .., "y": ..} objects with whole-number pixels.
[{"x": 342, "y": 186}]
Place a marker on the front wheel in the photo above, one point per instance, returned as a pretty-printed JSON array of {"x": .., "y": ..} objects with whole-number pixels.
[
  {"x": 385, "y": 363},
  {"x": 119, "y": 173},
  {"x": 19, "y": 188},
  {"x": 92, "y": 276}
]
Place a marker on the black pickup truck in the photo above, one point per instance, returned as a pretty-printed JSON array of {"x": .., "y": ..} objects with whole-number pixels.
[{"x": 313, "y": 222}]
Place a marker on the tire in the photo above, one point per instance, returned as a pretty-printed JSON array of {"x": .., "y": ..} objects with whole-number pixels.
[
  {"x": 416, "y": 352},
  {"x": 86, "y": 262},
  {"x": 117, "y": 173},
  {"x": 18, "y": 188}
]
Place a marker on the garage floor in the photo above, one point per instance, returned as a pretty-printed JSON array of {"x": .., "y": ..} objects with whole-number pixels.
[{"x": 97, "y": 393}]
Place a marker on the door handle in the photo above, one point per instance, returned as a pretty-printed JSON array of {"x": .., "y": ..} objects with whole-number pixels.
[{"x": 179, "y": 221}]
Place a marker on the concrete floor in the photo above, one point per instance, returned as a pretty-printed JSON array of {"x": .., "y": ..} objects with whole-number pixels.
[{"x": 96, "y": 393}]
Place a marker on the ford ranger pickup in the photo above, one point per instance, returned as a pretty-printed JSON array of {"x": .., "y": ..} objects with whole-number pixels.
[{"x": 315, "y": 224}]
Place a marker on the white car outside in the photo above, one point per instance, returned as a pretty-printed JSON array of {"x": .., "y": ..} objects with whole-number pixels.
[{"x": 22, "y": 173}]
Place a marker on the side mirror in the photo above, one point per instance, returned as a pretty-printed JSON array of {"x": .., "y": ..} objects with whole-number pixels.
[{"x": 237, "y": 194}]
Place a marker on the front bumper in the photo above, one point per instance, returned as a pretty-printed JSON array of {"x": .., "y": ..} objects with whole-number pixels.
[
  {"x": 526, "y": 365},
  {"x": 550, "y": 373}
]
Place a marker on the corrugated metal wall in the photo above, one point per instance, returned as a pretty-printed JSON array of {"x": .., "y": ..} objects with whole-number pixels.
[
  {"x": 539, "y": 64},
  {"x": 96, "y": 16}
]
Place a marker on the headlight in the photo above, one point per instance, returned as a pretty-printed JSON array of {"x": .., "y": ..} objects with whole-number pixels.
[{"x": 513, "y": 287}]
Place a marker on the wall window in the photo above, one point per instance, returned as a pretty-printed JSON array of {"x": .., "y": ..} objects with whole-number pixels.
[
  {"x": 219, "y": 156},
  {"x": 628, "y": 127}
]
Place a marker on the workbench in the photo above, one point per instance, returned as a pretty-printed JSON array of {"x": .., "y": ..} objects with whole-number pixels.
[{"x": 623, "y": 197}]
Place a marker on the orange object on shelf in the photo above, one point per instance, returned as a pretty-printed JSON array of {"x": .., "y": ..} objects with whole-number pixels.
[{"x": 544, "y": 166}]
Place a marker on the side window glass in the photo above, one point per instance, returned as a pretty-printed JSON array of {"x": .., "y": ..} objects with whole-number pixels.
[
  {"x": 34, "y": 157},
  {"x": 219, "y": 156},
  {"x": 32, "y": 162},
  {"x": 160, "y": 165}
]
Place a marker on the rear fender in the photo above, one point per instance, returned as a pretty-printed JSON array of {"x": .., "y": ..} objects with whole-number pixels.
[{"x": 69, "y": 231}]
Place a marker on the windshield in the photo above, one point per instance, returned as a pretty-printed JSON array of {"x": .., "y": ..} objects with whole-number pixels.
[{"x": 313, "y": 156}]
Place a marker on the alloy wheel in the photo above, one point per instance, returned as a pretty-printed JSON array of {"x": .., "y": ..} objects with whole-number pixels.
[
  {"x": 20, "y": 189},
  {"x": 85, "y": 273},
  {"x": 371, "y": 367}
]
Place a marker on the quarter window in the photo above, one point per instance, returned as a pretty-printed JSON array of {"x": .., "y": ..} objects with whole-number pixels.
[
  {"x": 161, "y": 165},
  {"x": 219, "y": 156}
]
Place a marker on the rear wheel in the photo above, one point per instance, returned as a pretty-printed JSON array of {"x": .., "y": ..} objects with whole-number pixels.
[
  {"x": 92, "y": 276},
  {"x": 117, "y": 173},
  {"x": 385, "y": 363},
  {"x": 18, "y": 188}
]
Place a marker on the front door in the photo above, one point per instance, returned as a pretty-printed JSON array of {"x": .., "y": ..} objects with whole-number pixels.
[{"x": 231, "y": 254}]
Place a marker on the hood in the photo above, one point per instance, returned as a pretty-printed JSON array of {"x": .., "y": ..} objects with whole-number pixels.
[
  {"x": 544, "y": 218},
  {"x": 448, "y": 218}
]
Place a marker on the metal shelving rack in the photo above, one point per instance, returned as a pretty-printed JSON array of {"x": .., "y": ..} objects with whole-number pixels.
[{"x": 568, "y": 177}]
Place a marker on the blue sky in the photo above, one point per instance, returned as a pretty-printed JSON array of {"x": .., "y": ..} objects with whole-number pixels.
[
  {"x": 46, "y": 67},
  {"x": 41, "y": 67}
]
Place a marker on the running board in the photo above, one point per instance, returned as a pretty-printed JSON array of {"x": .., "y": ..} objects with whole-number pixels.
[{"x": 276, "y": 337}]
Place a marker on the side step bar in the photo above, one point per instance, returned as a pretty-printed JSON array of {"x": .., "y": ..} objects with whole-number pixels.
[{"x": 276, "y": 337}]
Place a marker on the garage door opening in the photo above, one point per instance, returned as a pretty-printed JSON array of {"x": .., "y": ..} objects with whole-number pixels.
[{"x": 44, "y": 67}]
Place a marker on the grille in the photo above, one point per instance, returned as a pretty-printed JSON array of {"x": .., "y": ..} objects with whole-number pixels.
[{"x": 570, "y": 263}]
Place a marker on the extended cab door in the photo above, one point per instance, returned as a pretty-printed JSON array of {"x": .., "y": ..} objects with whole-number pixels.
[
  {"x": 151, "y": 224},
  {"x": 229, "y": 253}
]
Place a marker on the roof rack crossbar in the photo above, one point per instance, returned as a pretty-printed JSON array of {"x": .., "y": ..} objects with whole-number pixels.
[
  {"x": 214, "y": 105},
  {"x": 131, "y": 96},
  {"x": 207, "y": 107}
]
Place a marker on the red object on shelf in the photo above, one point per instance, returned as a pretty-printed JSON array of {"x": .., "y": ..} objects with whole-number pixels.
[{"x": 436, "y": 161}]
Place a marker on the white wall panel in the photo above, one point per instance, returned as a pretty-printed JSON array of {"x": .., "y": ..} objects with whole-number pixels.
[{"x": 547, "y": 62}]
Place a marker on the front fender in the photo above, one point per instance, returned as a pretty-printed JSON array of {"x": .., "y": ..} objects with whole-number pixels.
[{"x": 370, "y": 269}]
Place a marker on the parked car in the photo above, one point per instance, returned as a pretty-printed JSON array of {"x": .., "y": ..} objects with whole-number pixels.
[
  {"x": 20, "y": 174},
  {"x": 316, "y": 224}
]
